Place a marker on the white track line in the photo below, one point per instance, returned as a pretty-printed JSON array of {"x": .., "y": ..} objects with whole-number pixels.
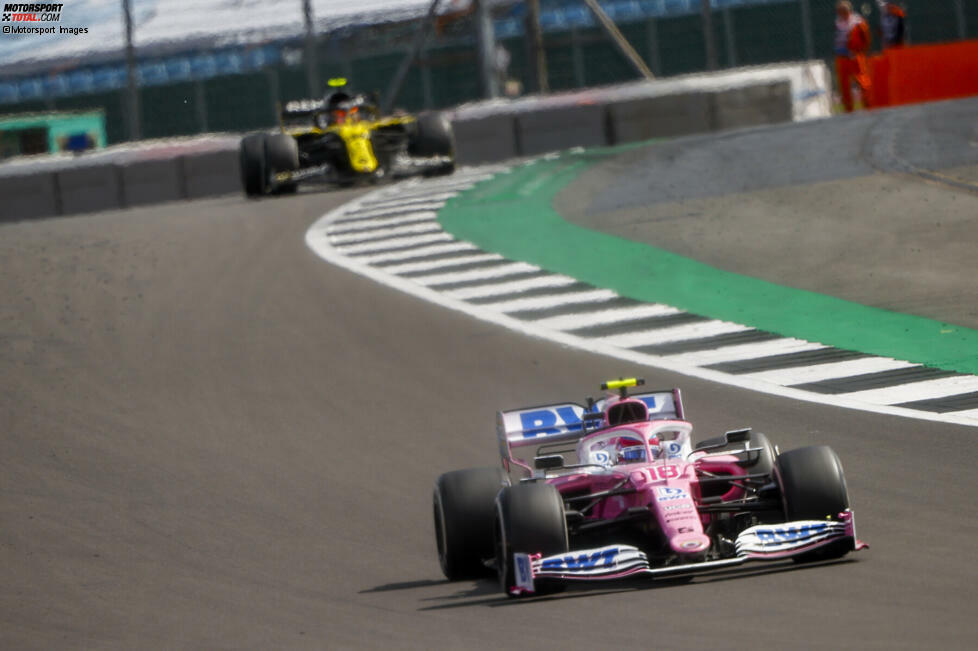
[
  {"x": 499, "y": 271},
  {"x": 968, "y": 413},
  {"x": 740, "y": 352},
  {"x": 410, "y": 218},
  {"x": 820, "y": 372},
  {"x": 675, "y": 333},
  {"x": 394, "y": 231},
  {"x": 399, "y": 202},
  {"x": 511, "y": 287},
  {"x": 396, "y": 243},
  {"x": 544, "y": 302},
  {"x": 604, "y": 317},
  {"x": 451, "y": 247},
  {"x": 496, "y": 313},
  {"x": 431, "y": 265},
  {"x": 359, "y": 217},
  {"x": 924, "y": 390}
]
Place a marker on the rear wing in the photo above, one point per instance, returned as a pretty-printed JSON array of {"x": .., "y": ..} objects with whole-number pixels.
[
  {"x": 569, "y": 422},
  {"x": 302, "y": 108}
]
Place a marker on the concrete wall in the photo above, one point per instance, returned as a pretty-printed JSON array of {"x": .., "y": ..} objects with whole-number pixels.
[
  {"x": 210, "y": 167},
  {"x": 534, "y": 131},
  {"x": 660, "y": 117},
  {"x": 99, "y": 185},
  {"x": 29, "y": 196}
]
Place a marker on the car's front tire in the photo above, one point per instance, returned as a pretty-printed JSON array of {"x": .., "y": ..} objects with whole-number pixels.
[
  {"x": 529, "y": 519},
  {"x": 464, "y": 509},
  {"x": 282, "y": 155},
  {"x": 813, "y": 487},
  {"x": 254, "y": 171}
]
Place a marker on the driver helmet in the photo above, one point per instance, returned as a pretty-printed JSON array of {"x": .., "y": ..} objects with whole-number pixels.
[
  {"x": 631, "y": 450},
  {"x": 655, "y": 447}
]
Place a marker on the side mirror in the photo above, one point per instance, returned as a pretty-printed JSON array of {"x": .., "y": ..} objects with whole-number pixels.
[
  {"x": 548, "y": 462},
  {"x": 737, "y": 435}
]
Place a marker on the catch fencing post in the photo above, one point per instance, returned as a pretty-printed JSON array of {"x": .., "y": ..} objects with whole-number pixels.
[
  {"x": 273, "y": 93},
  {"x": 200, "y": 106},
  {"x": 487, "y": 50},
  {"x": 708, "y": 38},
  {"x": 133, "y": 117},
  {"x": 652, "y": 35},
  {"x": 309, "y": 58},
  {"x": 577, "y": 57},
  {"x": 806, "y": 29},
  {"x": 538, "y": 55},
  {"x": 728, "y": 33},
  {"x": 961, "y": 20}
]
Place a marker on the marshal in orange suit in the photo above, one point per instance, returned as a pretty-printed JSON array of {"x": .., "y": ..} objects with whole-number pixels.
[{"x": 852, "y": 41}]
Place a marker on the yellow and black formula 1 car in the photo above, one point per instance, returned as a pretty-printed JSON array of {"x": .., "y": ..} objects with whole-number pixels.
[{"x": 343, "y": 139}]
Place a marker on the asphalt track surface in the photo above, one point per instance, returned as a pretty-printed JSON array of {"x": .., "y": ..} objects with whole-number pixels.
[{"x": 212, "y": 439}]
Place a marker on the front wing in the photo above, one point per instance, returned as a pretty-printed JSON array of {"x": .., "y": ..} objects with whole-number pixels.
[{"x": 762, "y": 542}]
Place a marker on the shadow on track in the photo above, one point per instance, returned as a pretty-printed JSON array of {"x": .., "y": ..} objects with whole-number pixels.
[{"x": 464, "y": 598}]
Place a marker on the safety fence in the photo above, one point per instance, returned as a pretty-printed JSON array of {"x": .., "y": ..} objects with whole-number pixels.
[{"x": 668, "y": 34}]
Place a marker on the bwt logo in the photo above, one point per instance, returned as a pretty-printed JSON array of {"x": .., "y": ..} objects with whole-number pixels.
[
  {"x": 544, "y": 422},
  {"x": 790, "y": 534},
  {"x": 523, "y": 569},
  {"x": 582, "y": 561},
  {"x": 667, "y": 493}
]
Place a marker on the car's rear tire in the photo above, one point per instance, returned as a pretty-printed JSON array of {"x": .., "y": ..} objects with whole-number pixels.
[
  {"x": 254, "y": 172},
  {"x": 433, "y": 136},
  {"x": 529, "y": 519},
  {"x": 813, "y": 487},
  {"x": 464, "y": 511}
]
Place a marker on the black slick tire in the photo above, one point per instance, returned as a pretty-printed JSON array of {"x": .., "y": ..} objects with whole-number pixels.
[
  {"x": 433, "y": 136},
  {"x": 464, "y": 511},
  {"x": 254, "y": 174},
  {"x": 282, "y": 155},
  {"x": 529, "y": 519},
  {"x": 813, "y": 487}
]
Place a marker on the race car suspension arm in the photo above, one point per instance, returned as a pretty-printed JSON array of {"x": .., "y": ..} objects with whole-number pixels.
[
  {"x": 634, "y": 513},
  {"x": 735, "y": 480},
  {"x": 597, "y": 497},
  {"x": 738, "y": 505}
]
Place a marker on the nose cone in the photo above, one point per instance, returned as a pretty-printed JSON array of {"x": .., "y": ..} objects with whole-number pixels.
[{"x": 689, "y": 544}]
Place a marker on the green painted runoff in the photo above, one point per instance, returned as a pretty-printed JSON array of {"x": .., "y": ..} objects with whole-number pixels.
[{"x": 512, "y": 214}]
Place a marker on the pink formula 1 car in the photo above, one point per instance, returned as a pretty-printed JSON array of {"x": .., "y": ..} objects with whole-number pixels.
[{"x": 616, "y": 489}]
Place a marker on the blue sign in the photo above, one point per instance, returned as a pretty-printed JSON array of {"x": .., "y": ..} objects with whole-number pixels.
[{"x": 582, "y": 561}]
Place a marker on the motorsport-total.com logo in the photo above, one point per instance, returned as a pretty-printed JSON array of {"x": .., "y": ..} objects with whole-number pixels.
[{"x": 31, "y": 13}]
